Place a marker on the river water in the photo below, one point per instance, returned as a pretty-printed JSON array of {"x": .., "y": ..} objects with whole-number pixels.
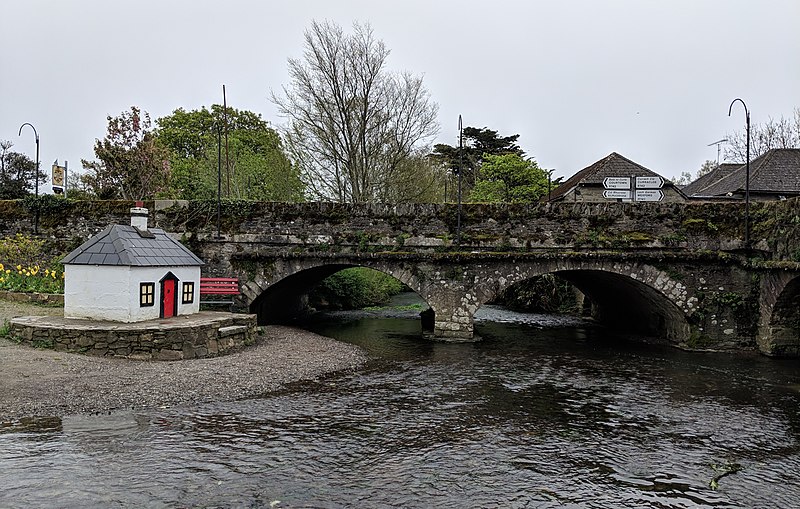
[{"x": 543, "y": 412}]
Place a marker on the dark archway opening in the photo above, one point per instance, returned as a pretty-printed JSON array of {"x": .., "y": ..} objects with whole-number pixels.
[
  {"x": 328, "y": 287},
  {"x": 626, "y": 305},
  {"x": 784, "y": 327},
  {"x": 547, "y": 293},
  {"x": 287, "y": 300},
  {"x": 618, "y": 302}
]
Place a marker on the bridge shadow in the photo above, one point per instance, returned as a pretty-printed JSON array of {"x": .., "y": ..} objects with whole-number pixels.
[
  {"x": 784, "y": 325},
  {"x": 622, "y": 304},
  {"x": 286, "y": 301},
  {"x": 626, "y": 305}
]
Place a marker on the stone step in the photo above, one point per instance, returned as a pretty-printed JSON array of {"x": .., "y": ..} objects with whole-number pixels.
[{"x": 231, "y": 330}]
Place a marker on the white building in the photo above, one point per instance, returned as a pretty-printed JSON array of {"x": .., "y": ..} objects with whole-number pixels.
[{"x": 131, "y": 274}]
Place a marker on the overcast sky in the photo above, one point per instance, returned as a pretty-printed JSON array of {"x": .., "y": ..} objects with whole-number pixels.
[{"x": 576, "y": 79}]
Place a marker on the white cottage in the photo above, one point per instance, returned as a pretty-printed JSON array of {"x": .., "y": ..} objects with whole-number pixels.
[{"x": 131, "y": 274}]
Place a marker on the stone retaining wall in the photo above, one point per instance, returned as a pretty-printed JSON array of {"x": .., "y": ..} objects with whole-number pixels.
[
  {"x": 205, "y": 334},
  {"x": 39, "y": 298}
]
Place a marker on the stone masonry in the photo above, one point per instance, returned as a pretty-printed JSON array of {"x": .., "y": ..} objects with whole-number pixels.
[
  {"x": 679, "y": 272},
  {"x": 196, "y": 336}
]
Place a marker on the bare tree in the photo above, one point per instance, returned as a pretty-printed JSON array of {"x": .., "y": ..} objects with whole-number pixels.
[
  {"x": 352, "y": 125},
  {"x": 5, "y": 145},
  {"x": 781, "y": 133}
]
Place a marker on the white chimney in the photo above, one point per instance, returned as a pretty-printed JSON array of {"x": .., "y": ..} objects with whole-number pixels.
[{"x": 139, "y": 216}]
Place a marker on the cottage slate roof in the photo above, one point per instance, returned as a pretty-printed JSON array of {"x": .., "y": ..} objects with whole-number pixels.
[
  {"x": 775, "y": 172},
  {"x": 696, "y": 187},
  {"x": 127, "y": 245},
  {"x": 613, "y": 165}
]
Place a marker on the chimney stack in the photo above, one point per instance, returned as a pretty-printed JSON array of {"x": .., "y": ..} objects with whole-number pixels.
[{"x": 139, "y": 216}]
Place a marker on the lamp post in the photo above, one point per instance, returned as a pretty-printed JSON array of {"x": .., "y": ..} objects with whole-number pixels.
[
  {"x": 747, "y": 175},
  {"x": 460, "y": 174},
  {"x": 219, "y": 177},
  {"x": 36, "y": 174}
]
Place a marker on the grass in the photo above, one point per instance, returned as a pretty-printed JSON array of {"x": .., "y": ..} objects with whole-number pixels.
[{"x": 408, "y": 307}]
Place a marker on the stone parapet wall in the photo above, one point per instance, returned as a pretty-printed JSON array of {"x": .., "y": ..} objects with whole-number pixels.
[
  {"x": 495, "y": 227},
  {"x": 205, "y": 334}
]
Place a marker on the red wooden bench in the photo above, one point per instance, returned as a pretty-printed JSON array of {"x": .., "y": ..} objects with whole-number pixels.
[{"x": 218, "y": 287}]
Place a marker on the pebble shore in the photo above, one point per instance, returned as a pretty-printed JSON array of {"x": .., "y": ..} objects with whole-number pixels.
[{"x": 40, "y": 383}]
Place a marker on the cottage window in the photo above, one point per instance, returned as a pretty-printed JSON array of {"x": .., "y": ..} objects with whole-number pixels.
[
  {"x": 147, "y": 293},
  {"x": 188, "y": 293}
]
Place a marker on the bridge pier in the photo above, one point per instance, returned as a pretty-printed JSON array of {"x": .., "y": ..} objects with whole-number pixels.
[
  {"x": 454, "y": 330},
  {"x": 452, "y": 317}
]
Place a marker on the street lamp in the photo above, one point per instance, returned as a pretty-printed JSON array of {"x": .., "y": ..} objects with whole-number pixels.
[
  {"x": 460, "y": 174},
  {"x": 36, "y": 217},
  {"x": 219, "y": 176},
  {"x": 747, "y": 175}
]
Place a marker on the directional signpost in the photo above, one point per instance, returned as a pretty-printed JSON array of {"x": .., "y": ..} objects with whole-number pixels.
[
  {"x": 617, "y": 188},
  {"x": 649, "y": 195},
  {"x": 617, "y": 182},
  {"x": 649, "y": 182},
  {"x": 617, "y": 194},
  {"x": 645, "y": 188}
]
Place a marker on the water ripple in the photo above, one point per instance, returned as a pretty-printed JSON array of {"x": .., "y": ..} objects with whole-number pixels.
[{"x": 530, "y": 417}]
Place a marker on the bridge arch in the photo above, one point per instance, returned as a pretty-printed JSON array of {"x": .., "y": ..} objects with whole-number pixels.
[
  {"x": 780, "y": 328},
  {"x": 629, "y": 297},
  {"x": 279, "y": 291}
]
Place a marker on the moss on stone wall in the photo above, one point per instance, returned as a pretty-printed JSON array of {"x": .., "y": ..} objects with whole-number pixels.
[{"x": 689, "y": 226}]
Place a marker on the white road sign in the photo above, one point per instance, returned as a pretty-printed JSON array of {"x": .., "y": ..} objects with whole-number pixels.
[
  {"x": 617, "y": 182},
  {"x": 617, "y": 194},
  {"x": 649, "y": 182},
  {"x": 649, "y": 195}
]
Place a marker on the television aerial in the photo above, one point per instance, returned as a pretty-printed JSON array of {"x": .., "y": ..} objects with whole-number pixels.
[{"x": 718, "y": 143}]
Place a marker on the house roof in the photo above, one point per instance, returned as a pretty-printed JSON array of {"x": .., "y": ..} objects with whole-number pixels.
[
  {"x": 696, "y": 187},
  {"x": 127, "y": 245},
  {"x": 777, "y": 171},
  {"x": 613, "y": 165}
]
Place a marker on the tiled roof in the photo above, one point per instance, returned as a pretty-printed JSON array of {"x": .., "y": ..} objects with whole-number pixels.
[
  {"x": 721, "y": 171},
  {"x": 613, "y": 165},
  {"x": 127, "y": 245},
  {"x": 775, "y": 172}
]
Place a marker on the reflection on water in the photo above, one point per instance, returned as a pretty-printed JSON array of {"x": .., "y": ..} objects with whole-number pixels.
[{"x": 529, "y": 417}]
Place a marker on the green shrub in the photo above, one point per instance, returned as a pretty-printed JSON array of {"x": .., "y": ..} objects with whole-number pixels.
[{"x": 355, "y": 288}]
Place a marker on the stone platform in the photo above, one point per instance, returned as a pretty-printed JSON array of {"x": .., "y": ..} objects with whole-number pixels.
[{"x": 195, "y": 336}]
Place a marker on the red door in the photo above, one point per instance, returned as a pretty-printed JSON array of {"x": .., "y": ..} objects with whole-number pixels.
[{"x": 168, "y": 298}]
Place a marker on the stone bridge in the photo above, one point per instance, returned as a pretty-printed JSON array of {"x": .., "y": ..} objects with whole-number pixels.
[{"x": 679, "y": 273}]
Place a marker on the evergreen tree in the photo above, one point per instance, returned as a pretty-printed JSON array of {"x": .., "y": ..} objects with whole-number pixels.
[{"x": 476, "y": 142}]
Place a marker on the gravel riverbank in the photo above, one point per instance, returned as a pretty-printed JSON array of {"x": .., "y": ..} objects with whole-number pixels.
[{"x": 36, "y": 383}]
